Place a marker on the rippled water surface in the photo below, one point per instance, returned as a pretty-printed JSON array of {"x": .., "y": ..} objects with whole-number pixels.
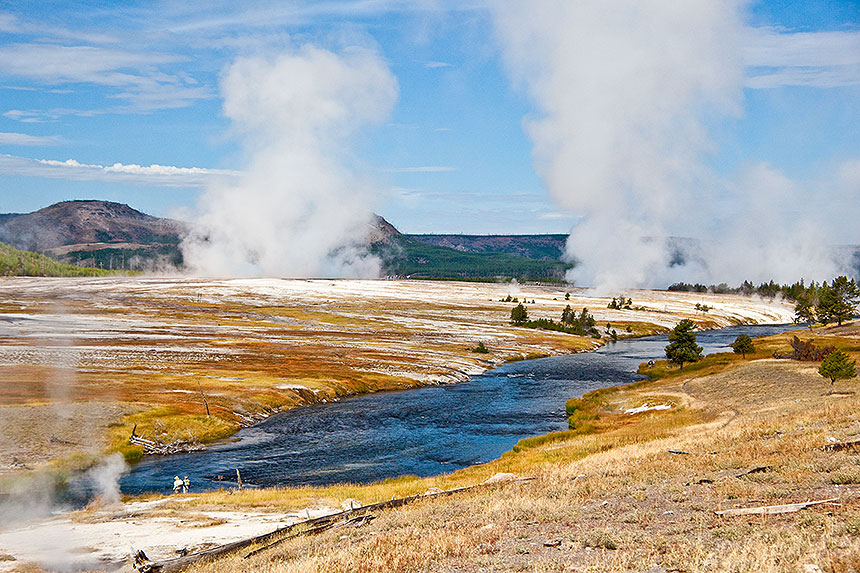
[{"x": 425, "y": 432}]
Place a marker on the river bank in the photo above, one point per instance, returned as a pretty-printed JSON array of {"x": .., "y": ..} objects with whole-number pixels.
[
  {"x": 532, "y": 455},
  {"x": 149, "y": 350}
]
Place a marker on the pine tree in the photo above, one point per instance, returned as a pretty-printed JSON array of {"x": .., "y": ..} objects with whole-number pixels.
[
  {"x": 682, "y": 345},
  {"x": 804, "y": 310},
  {"x": 568, "y": 316},
  {"x": 837, "y": 301},
  {"x": 742, "y": 345},
  {"x": 837, "y": 366}
]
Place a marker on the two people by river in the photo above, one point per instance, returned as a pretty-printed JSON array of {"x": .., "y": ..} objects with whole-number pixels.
[{"x": 181, "y": 485}]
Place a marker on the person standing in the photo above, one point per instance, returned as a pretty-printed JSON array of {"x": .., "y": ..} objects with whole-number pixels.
[
  {"x": 177, "y": 484},
  {"x": 186, "y": 485}
]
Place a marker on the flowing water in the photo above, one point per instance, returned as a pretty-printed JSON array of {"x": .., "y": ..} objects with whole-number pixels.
[{"x": 428, "y": 431}]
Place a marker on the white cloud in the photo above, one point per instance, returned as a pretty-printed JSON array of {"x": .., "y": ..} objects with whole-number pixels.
[
  {"x": 421, "y": 169},
  {"x": 25, "y": 139},
  {"x": 435, "y": 65},
  {"x": 231, "y": 15},
  {"x": 136, "y": 77},
  {"x": 152, "y": 175},
  {"x": 29, "y": 116},
  {"x": 775, "y": 57}
]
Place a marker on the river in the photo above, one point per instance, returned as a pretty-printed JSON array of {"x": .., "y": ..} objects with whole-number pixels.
[{"x": 427, "y": 431}]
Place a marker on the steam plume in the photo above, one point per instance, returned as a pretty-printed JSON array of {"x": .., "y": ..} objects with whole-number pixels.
[
  {"x": 105, "y": 478},
  {"x": 299, "y": 210},
  {"x": 625, "y": 92}
]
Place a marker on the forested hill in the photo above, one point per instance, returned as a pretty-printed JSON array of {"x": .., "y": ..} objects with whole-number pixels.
[{"x": 543, "y": 247}]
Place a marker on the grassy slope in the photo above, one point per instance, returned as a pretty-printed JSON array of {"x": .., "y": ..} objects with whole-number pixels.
[
  {"x": 15, "y": 262},
  {"x": 614, "y": 498}
]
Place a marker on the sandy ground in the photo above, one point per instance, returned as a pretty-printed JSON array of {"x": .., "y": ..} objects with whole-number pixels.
[{"x": 103, "y": 539}]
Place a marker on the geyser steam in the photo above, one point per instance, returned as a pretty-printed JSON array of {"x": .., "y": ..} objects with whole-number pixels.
[
  {"x": 298, "y": 209},
  {"x": 625, "y": 91}
]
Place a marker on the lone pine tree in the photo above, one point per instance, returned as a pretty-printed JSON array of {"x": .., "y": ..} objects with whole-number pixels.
[
  {"x": 742, "y": 345},
  {"x": 837, "y": 366},
  {"x": 682, "y": 345}
]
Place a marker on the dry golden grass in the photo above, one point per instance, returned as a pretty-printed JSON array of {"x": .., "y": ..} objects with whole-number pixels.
[{"x": 615, "y": 499}]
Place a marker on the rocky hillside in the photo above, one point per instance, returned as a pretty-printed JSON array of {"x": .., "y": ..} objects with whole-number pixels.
[
  {"x": 96, "y": 234},
  {"x": 86, "y": 222}
]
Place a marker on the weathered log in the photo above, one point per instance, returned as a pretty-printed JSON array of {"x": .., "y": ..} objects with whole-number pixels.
[
  {"x": 773, "y": 509},
  {"x": 151, "y": 447},
  {"x": 358, "y": 520},
  {"x": 852, "y": 444},
  {"x": 754, "y": 470},
  {"x": 181, "y": 563}
]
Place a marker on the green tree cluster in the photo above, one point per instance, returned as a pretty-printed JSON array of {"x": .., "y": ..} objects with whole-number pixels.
[
  {"x": 481, "y": 349},
  {"x": 768, "y": 290},
  {"x": 519, "y": 315},
  {"x": 620, "y": 303},
  {"x": 582, "y": 324},
  {"x": 830, "y": 302}
]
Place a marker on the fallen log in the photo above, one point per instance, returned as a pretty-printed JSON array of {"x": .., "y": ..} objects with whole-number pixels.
[
  {"x": 151, "y": 447},
  {"x": 773, "y": 509},
  {"x": 684, "y": 453},
  {"x": 754, "y": 470},
  {"x": 358, "y": 520},
  {"x": 852, "y": 444},
  {"x": 297, "y": 529}
]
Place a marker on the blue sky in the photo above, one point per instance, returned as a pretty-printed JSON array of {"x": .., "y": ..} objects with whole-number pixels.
[{"x": 135, "y": 86}]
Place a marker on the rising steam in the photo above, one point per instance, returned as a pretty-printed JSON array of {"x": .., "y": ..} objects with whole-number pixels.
[
  {"x": 298, "y": 209},
  {"x": 625, "y": 92}
]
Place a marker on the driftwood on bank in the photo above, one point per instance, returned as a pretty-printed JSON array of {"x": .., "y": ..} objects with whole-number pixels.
[
  {"x": 773, "y": 509},
  {"x": 307, "y": 527},
  {"x": 151, "y": 447}
]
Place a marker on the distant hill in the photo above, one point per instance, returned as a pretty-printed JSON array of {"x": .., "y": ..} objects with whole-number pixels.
[
  {"x": 109, "y": 235},
  {"x": 85, "y": 222},
  {"x": 96, "y": 234},
  {"x": 542, "y": 247}
]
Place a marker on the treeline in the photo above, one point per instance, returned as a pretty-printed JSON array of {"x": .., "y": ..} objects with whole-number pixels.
[
  {"x": 767, "y": 290},
  {"x": 14, "y": 262},
  {"x": 824, "y": 302}
]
